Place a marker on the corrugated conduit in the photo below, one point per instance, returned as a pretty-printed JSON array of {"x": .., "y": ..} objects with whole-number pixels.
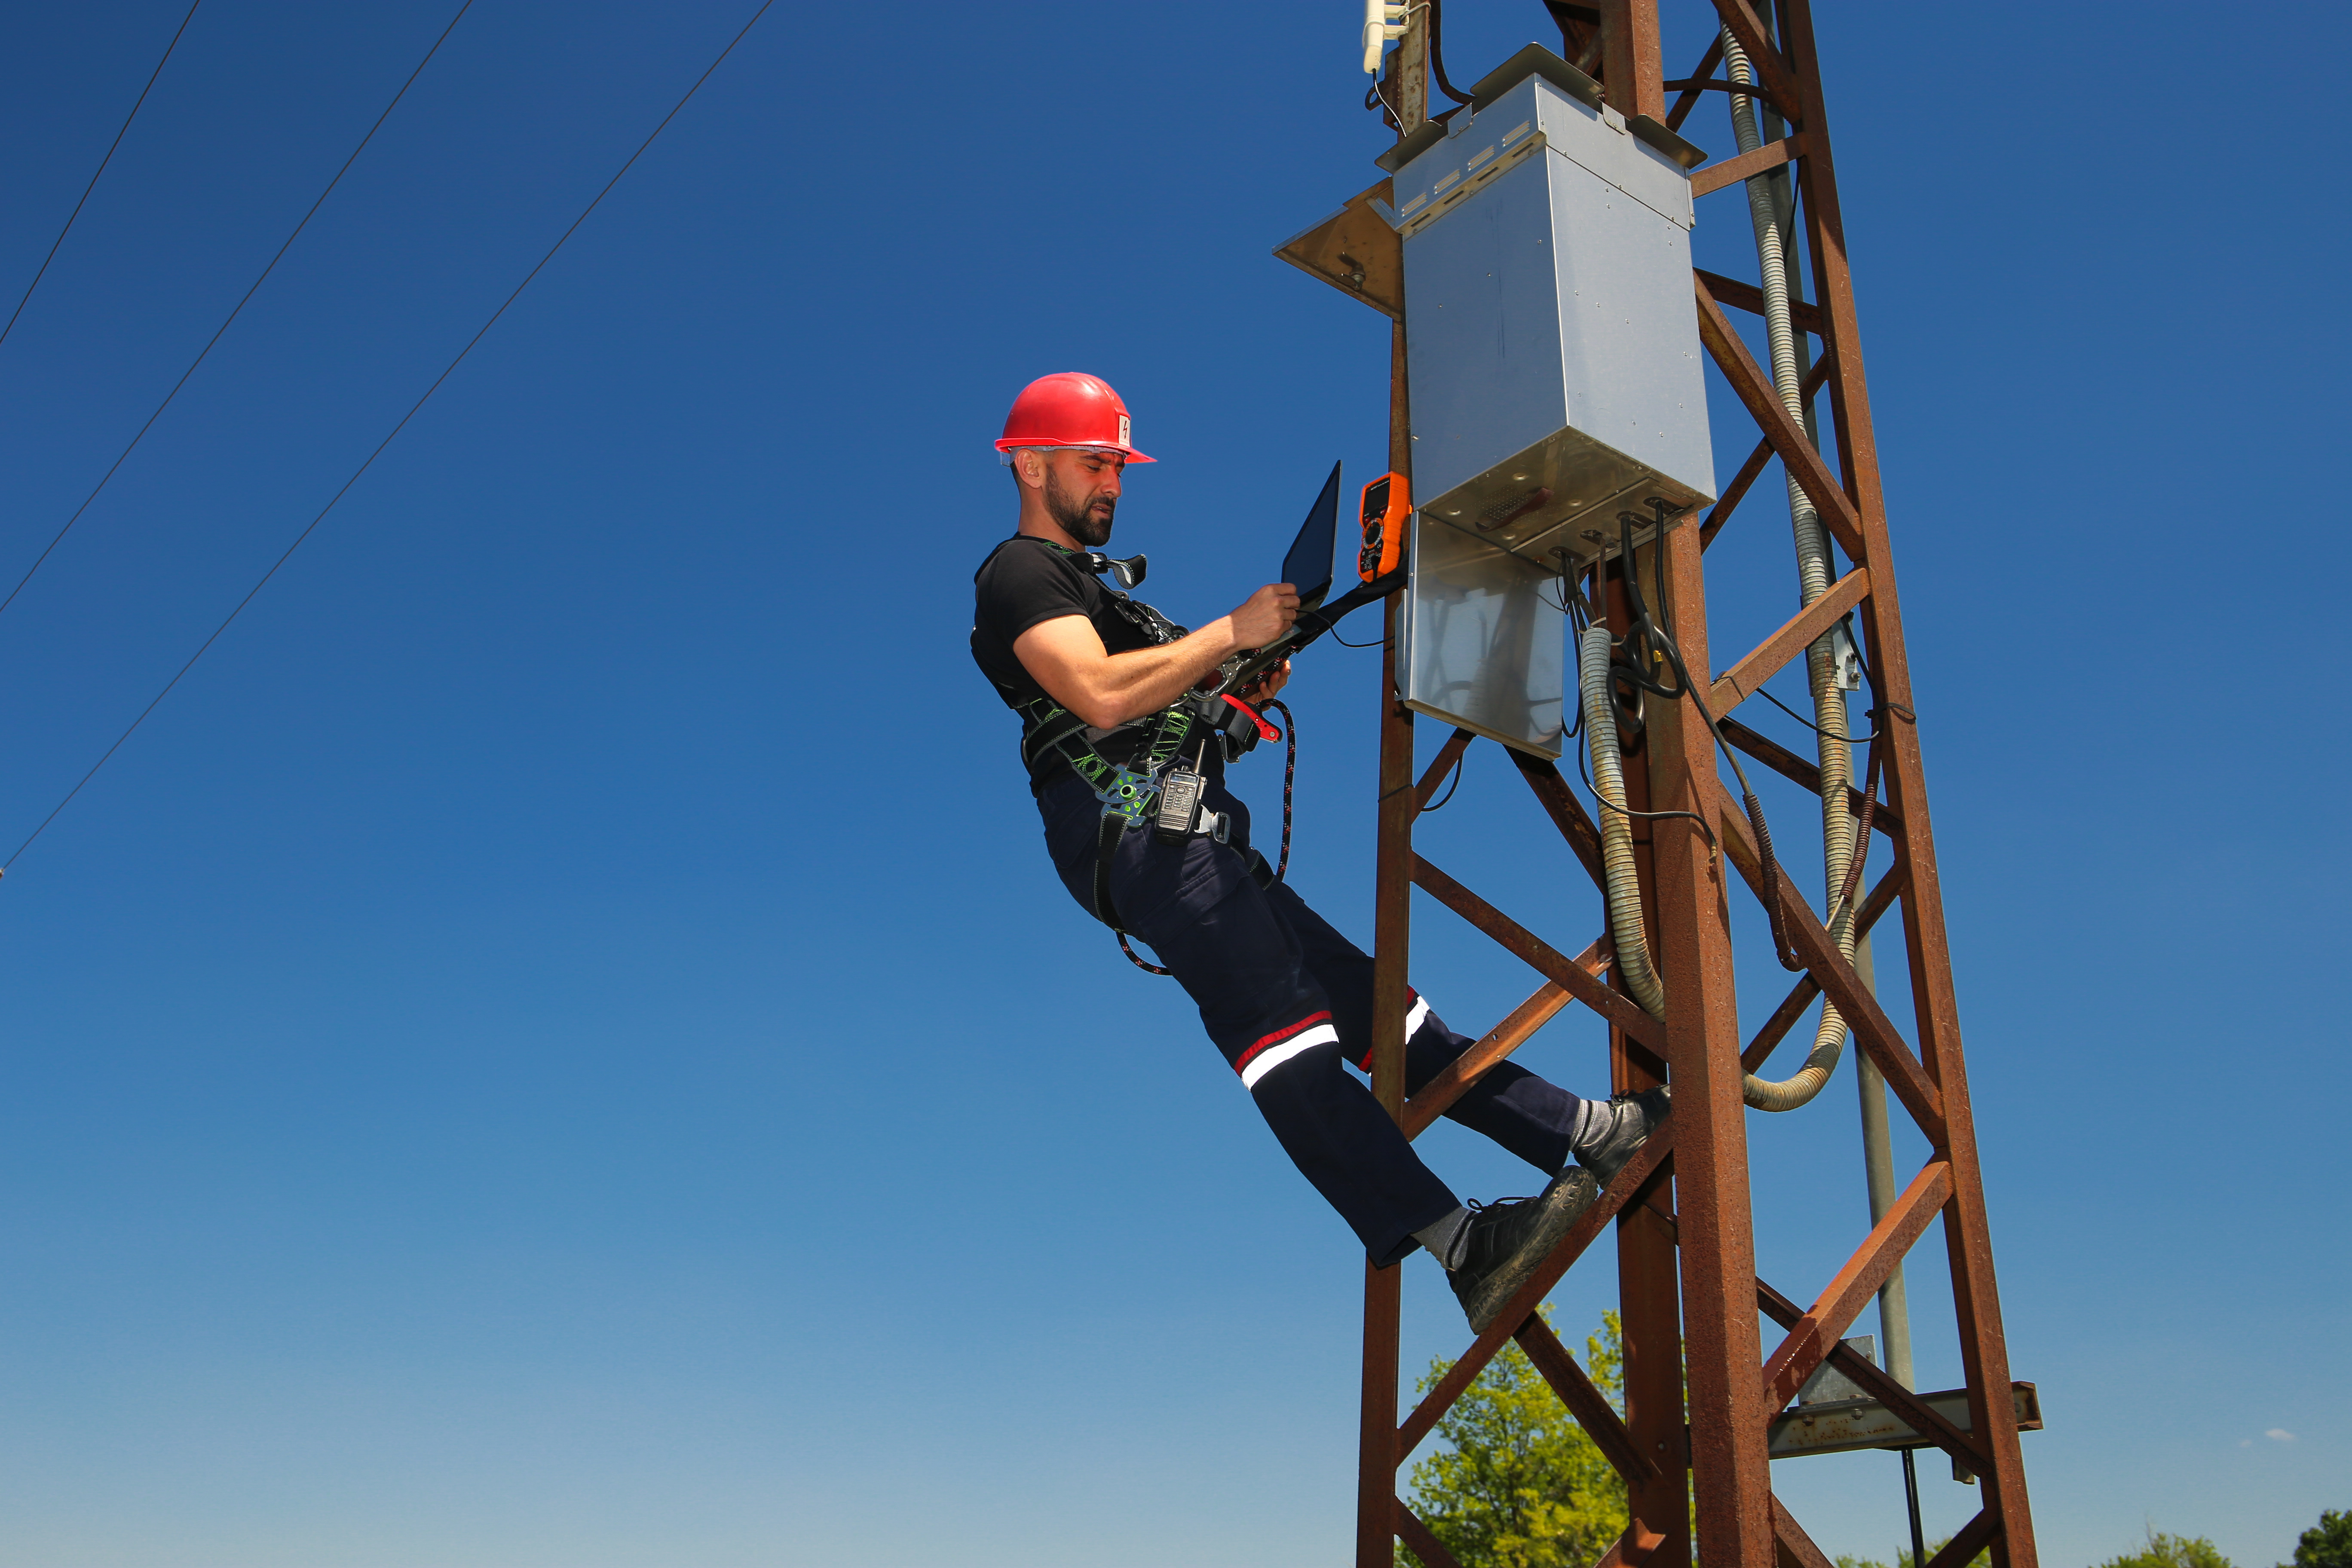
[
  {"x": 1616, "y": 831},
  {"x": 1834, "y": 750},
  {"x": 1838, "y": 845}
]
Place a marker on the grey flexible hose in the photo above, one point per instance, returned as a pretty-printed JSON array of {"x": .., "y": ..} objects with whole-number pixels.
[
  {"x": 1837, "y": 846},
  {"x": 1616, "y": 831},
  {"x": 1633, "y": 962}
]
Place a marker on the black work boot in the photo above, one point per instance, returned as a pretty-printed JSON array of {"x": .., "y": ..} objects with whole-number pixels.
[
  {"x": 1631, "y": 1118},
  {"x": 1508, "y": 1241}
]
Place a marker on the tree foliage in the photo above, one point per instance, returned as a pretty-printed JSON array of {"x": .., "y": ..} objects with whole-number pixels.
[
  {"x": 2171, "y": 1552},
  {"x": 2328, "y": 1544},
  {"x": 1519, "y": 1484}
]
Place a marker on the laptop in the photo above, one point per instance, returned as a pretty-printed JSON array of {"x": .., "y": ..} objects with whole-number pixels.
[{"x": 1308, "y": 567}]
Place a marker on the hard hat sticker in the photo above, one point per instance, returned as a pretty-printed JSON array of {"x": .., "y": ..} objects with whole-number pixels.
[{"x": 1122, "y": 430}]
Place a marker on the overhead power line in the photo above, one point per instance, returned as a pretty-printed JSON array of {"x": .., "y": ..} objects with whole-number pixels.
[
  {"x": 446, "y": 371},
  {"x": 124, "y": 456},
  {"x": 102, "y": 162}
]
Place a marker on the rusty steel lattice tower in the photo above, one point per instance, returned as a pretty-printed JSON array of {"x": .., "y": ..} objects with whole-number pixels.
[{"x": 1701, "y": 1390}]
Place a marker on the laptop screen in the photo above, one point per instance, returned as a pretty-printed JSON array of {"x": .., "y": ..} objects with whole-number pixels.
[{"x": 1308, "y": 567}]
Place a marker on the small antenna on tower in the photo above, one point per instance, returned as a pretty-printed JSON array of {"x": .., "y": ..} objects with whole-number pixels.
[{"x": 1382, "y": 22}]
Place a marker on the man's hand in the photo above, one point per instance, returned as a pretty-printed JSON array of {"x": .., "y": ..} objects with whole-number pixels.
[
  {"x": 1264, "y": 615},
  {"x": 1267, "y": 687},
  {"x": 1067, "y": 657}
]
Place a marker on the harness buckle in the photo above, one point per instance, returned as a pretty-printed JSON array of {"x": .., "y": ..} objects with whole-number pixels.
[{"x": 1128, "y": 795}]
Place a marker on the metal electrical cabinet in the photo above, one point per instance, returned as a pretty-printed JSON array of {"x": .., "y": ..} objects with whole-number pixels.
[{"x": 1554, "y": 368}]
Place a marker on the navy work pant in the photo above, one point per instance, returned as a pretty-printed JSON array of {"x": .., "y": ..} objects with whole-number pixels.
[{"x": 1288, "y": 1000}]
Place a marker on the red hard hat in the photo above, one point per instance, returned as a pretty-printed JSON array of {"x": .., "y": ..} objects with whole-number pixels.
[{"x": 1069, "y": 408}]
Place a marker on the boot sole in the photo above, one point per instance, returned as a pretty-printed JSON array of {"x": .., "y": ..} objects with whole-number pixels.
[{"x": 1564, "y": 1203}]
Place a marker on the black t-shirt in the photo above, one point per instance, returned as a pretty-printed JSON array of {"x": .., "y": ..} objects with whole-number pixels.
[{"x": 1026, "y": 582}]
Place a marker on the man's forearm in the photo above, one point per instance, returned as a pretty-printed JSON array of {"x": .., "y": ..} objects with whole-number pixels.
[
  {"x": 1147, "y": 680},
  {"x": 1064, "y": 655}
]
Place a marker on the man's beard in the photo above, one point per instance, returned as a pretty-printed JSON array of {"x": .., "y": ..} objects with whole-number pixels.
[{"x": 1079, "y": 521}]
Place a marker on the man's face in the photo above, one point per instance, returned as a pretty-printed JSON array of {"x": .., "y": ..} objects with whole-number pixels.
[{"x": 1082, "y": 492}]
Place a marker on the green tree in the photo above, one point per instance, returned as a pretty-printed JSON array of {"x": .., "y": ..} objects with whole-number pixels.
[
  {"x": 2328, "y": 1544},
  {"x": 2171, "y": 1552},
  {"x": 1519, "y": 1485}
]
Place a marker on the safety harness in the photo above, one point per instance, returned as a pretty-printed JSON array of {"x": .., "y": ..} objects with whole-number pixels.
[{"x": 1131, "y": 792}]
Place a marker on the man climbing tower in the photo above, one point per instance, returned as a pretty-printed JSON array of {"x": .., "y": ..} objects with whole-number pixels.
[{"x": 1100, "y": 681}]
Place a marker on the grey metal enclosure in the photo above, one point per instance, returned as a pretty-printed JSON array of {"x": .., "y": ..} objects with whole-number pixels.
[{"x": 1554, "y": 369}]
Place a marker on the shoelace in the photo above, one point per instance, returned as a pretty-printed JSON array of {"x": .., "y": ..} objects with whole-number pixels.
[{"x": 1475, "y": 1208}]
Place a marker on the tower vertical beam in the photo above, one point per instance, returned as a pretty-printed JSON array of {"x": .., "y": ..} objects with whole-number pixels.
[
  {"x": 1649, "y": 1294},
  {"x": 1984, "y": 1349},
  {"x": 1731, "y": 1478},
  {"x": 1378, "y": 1454},
  {"x": 1658, "y": 1531},
  {"x": 1391, "y": 946},
  {"x": 1732, "y": 1481},
  {"x": 1633, "y": 71}
]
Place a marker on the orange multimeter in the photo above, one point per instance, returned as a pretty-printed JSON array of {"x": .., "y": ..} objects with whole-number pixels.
[{"x": 1388, "y": 501}]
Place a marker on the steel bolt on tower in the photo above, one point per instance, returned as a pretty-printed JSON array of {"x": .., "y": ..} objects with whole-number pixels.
[{"x": 1700, "y": 1389}]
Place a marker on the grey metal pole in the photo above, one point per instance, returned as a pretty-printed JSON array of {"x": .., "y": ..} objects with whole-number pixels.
[
  {"x": 1893, "y": 1309},
  {"x": 1878, "y": 1173},
  {"x": 1877, "y": 1151},
  {"x": 1877, "y": 1148}
]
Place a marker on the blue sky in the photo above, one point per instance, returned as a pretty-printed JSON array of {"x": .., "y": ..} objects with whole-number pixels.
[{"x": 558, "y": 1045}]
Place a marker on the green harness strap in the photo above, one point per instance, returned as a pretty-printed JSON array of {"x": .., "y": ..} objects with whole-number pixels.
[
  {"x": 1127, "y": 793},
  {"x": 1126, "y": 790}
]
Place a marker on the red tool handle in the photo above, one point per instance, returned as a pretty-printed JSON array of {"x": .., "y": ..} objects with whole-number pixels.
[{"x": 1266, "y": 732}]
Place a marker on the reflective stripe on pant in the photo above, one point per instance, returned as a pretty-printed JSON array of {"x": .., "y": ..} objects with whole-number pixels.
[{"x": 1288, "y": 1001}]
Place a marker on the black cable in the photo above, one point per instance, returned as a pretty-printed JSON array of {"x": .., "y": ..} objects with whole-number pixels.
[
  {"x": 1131, "y": 958},
  {"x": 1860, "y": 852},
  {"x": 1376, "y": 97},
  {"x": 1776, "y": 917},
  {"x": 1439, "y": 803},
  {"x": 1567, "y": 603},
  {"x": 1853, "y": 636},
  {"x": 1343, "y": 642},
  {"x": 1289, "y": 777},
  {"x": 1437, "y": 56},
  {"x": 102, "y": 162},
  {"x": 445, "y": 373},
  {"x": 1644, "y": 635},
  {"x": 1873, "y": 762},
  {"x": 124, "y": 455},
  {"x": 1586, "y": 779},
  {"x": 1628, "y": 723},
  {"x": 1870, "y": 675},
  {"x": 1816, "y": 728}
]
